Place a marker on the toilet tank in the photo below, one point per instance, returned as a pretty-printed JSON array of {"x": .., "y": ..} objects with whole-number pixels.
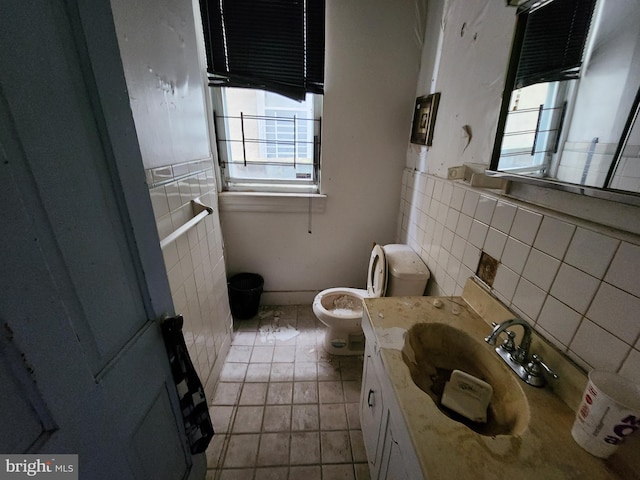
[{"x": 407, "y": 273}]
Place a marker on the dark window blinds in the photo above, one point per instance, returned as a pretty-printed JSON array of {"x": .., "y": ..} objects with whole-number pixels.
[
  {"x": 274, "y": 45},
  {"x": 554, "y": 39}
]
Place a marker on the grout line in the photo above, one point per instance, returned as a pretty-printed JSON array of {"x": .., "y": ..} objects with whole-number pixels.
[{"x": 340, "y": 364}]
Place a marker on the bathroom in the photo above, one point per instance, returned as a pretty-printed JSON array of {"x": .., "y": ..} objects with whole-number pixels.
[
  {"x": 377, "y": 186},
  {"x": 380, "y": 188}
]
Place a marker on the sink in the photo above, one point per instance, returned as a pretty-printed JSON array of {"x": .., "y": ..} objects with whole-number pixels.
[{"x": 433, "y": 350}]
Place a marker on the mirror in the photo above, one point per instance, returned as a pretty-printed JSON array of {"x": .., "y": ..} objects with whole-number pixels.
[{"x": 578, "y": 128}]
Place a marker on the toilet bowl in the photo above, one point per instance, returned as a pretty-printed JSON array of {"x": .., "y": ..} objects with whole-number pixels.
[{"x": 394, "y": 270}]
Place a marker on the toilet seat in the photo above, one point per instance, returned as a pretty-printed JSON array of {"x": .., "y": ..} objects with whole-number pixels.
[
  {"x": 323, "y": 305},
  {"x": 377, "y": 273},
  {"x": 323, "y": 312}
]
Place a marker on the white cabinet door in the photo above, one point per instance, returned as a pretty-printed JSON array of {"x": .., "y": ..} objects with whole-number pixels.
[
  {"x": 371, "y": 411},
  {"x": 392, "y": 465},
  {"x": 83, "y": 368}
]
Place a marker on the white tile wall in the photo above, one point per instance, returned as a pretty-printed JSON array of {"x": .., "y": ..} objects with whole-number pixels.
[
  {"x": 525, "y": 225},
  {"x": 554, "y": 236},
  {"x": 623, "y": 271},
  {"x": 559, "y": 320},
  {"x": 194, "y": 262},
  {"x": 591, "y": 252},
  {"x": 577, "y": 284},
  {"x": 515, "y": 254},
  {"x": 540, "y": 269}
]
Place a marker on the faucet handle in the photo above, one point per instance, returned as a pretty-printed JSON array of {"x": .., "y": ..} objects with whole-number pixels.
[
  {"x": 535, "y": 366},
  {"x": 509, "y": 344}
]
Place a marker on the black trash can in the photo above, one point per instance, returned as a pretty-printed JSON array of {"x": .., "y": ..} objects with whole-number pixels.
[{"x": 244, "y": 294}]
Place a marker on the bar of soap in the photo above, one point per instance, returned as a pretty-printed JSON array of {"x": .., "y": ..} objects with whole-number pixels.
[{"x": 467, "y": 395}]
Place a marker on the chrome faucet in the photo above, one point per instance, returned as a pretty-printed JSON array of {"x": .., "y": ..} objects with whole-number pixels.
[
  {"x": 519, "y": 353},
  {"x": 517, "y": 357}
]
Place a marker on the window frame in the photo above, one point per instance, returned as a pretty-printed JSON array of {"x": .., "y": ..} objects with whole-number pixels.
[{"x": 307, "y": 187}]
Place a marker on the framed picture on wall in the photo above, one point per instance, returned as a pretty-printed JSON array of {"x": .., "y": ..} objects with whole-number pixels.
[{"x": 424, "y": 119}]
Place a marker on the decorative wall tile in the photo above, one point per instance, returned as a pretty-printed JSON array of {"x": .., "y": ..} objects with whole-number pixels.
[
  {"x": 529, "y": 298},
  {"x": 471, "y": 257},
  {"x": 554, "y": 237},
  {"x": 430, "y": 186},
  {"x": 525, "y": 225},
  {"x": 574, "y": 287},
  {"x": 515, "y": 254},
  {"x": 161, "y": 174},
  {"x": 494, "y": 243},
  {"x": 458, "y": 246},
  {"x": 159, "y": 202},
  {"x": 591, "y": 252},
  {"x": 452, "y": 219},
  {"x": 623, "y": 272},
  {"x": 485, "y": 208},
  {"x": 464, "y": 275},
  {"x": 457, "y": 198},
  {"x": 437, "y": 189},
  {"x": 551, "y": 286},
  {"x": 180, "y": 170},
  {"x": 631, "y": 367},
  {"x": 447, "y": 239},
  {"x": 447, "y": 192},
  {"x": 453, "y": 267},
  {"x": 186, "y": 195},
  {"x": 559, "y": 320},
  {"x": 470, "y": 203},
  {"x": 173, "y": 196},
  {"x": 616, "y": 311},
  {"x": 164, "y": 225},
  {"x": 191, "y": 259},
  {"x": 599, "y": 348},
  {"x": 170, "y": 255},
  {"x": 464, "y": 225},
  {"x": 540, "y": 269},
  {"x": 506, "y": 282},
  {"x": 478, "y": 233},
  {"x": 503, "y": 216}
]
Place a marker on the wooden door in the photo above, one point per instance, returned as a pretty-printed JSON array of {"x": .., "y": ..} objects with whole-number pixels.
[{"x": 83, "y": 367}]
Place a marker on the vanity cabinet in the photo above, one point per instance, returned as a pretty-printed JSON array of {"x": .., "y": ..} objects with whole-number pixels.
[
  {"x": 371, "y": 410},
  {"x": 389, "y": 451},
  {"x": 392, "y": 466}
]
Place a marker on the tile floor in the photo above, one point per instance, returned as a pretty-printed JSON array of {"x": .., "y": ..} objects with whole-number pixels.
[{"x": 284, "y": 409}]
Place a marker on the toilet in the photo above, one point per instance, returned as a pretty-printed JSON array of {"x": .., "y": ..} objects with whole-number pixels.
[{"x": 394, "y": 270}]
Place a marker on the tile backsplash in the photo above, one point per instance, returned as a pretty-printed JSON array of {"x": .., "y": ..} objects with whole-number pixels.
[
  {"x": 194, "y": 262},
  {"x": 576, "y": 283}
]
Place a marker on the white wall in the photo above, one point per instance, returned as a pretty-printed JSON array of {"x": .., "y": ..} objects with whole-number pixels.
[
  {"x": 373, "y": 53},
  {"x": 475, "y": 40},
  {"x": 166, "y": 87},
  {"x": 164, "y": 79},
  {"x": 575, "y": 281}
]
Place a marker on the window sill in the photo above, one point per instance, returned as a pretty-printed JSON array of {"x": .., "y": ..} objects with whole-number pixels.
[{"x": 272, "y": 202}]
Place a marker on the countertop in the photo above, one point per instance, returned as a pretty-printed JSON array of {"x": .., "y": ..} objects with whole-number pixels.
[{"x": 448, "y": 449}]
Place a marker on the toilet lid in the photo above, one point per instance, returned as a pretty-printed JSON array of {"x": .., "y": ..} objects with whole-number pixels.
[{"x": 377, "y": 276}]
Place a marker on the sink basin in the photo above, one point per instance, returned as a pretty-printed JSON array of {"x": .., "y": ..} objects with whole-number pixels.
[{"x": 433, "y": 350}]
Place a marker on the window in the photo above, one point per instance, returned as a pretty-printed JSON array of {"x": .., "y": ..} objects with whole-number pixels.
[
  {"x": 267, "y": 142},
  {"x": 546, "y": 59},
  {"x": 572, "y": 96},
  {"x": 265, "y": 63}
]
